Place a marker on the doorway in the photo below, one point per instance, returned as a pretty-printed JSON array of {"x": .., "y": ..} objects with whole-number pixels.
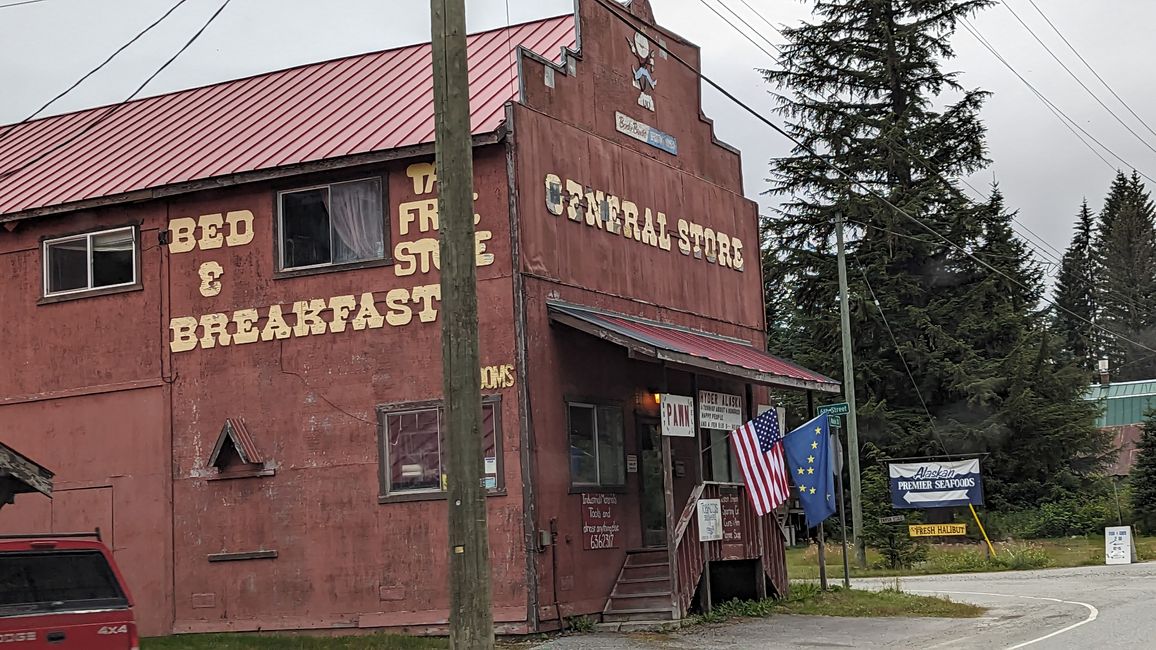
[{"x": 652, "y": 497}]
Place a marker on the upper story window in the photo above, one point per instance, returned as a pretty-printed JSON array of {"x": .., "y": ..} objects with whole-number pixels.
[
  {"x": 95, "y": 260},
  {"x": 328, "y": 225}
]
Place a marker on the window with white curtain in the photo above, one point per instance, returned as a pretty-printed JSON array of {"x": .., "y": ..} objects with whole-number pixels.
[
  {"x": 330, "y": 225},
  {"x": 95, "y": 260}
]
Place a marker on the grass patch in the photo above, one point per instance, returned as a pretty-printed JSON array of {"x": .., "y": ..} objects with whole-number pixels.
[
  {"x": 802, "y": 563},
  {"x": 807, "y": 599},
  {"x": 289, "y": 642}
]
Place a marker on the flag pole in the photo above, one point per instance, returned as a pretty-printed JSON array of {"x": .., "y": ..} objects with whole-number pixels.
[
  {"x": 822, "y": 559},
  {"x": 842, "y": 513}
]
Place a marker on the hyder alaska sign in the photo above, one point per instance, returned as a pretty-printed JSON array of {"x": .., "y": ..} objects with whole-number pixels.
[{"x": 932, "y": 484}]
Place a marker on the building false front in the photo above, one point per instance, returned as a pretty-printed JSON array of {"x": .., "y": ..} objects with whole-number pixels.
[{"x": 235, "y": 371}]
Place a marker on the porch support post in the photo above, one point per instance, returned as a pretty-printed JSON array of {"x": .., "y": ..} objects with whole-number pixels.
[{"x": 671, "y": 517}]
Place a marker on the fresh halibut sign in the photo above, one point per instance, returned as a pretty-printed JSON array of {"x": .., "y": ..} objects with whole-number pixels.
[{"x": 932, "y": 484}]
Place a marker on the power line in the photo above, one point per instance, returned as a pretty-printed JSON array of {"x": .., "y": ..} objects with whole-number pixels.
[
  {"x": 12, "y": 127},
  {"x": 17, "y": 4},
  {"x": 983, "y": 41},
  {"x": 1077, "y": 78},
  {"x": 902, "y": 358},
  {"x": 1033, "y": 241},
  {"x": 616, "y": 12},
  {"x": 748, "y": 25},
  {"x": 1089, "y": 66},
  {"x": 110, "y": 111}
]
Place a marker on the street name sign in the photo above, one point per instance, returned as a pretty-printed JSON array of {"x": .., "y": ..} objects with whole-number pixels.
[
  {"x": 936, "y": 484},
  {"x": 893, "y": 519},
  {"x": 936, "y": 530},
  {"x": 835, "y": 409}
]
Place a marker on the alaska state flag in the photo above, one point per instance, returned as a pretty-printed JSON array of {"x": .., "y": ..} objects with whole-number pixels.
[{"x": 811, "y": 464}]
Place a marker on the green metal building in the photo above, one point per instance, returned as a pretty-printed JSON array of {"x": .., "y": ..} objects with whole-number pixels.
[{"x": 1124, "y": 402}]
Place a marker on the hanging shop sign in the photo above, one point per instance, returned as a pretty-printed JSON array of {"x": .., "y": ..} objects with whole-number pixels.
[
  {"x": 719, "y": 411},
  {"x": 677, "y": 415},
  {"x": 935, "y": 484}
]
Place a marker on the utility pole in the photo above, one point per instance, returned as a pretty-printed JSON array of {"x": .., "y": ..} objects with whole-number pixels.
[
  {"x": 471, "y": 617},
  {"x": 849, "y": 395}
]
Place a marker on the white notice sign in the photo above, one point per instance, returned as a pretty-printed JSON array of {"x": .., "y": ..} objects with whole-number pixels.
[
  {"x": 677, "y": 415},
  {"x": 719, "y": 411},
  {"x": 1119, "y": 547},
  {"x": 710, "y": 520}
]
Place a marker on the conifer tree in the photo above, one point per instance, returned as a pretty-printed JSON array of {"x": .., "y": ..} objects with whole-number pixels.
[
  {"x": 1075, "y": 296},
  {"x": 861, "y": 87},
  {"x": 1125, "y": 256},
  {"x": 1143, "y": 477}
]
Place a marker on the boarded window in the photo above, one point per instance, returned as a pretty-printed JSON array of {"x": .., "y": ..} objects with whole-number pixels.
[
  {"x": 597, "y": 451},
  {"x": 332, "y": 224},
  {"x": 413, "y": 446},
  {"x": 90, "y": 261}
]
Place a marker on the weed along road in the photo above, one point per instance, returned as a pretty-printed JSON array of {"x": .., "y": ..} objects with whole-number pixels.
[{"x": 1084, "y": 607}]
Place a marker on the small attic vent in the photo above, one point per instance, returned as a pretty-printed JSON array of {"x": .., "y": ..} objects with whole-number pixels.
[{"x": 236, "y": 455}]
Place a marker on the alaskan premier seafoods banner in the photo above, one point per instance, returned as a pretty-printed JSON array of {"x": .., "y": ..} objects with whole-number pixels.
[{"x": 932, "y": 484}]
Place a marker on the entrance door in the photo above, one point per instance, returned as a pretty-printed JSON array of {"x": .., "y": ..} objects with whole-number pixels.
[{"x": 652, "y": 500}]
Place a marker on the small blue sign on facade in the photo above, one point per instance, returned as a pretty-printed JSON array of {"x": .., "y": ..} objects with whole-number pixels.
[
  {"x": 932, "y": 484},
  {"x": 645, "y": 133}
]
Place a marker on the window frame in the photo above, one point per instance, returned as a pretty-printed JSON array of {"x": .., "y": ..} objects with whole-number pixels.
[
  {"x": 279, "y": 270},
  {"x": 386, "y": 495},
  {"x": 48, "y": 296},
  {"x": 599, "y": 485}
]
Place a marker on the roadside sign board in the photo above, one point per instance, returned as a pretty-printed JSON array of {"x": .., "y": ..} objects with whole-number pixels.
[
  {"x": 835, "y": 409},
  {"x": 1119, "y": 545},
  {"x": 936, "y": 484},
  {"x": 893, "y": 519},
  {"x": 719, "y": 411},
  {"x": 936, "y": 530},
  {"x": 835, "y": 420},
  {"x": 677, "y": 415}
]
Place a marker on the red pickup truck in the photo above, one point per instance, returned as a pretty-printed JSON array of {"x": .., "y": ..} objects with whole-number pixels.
[{"x": 63, "y": 592}]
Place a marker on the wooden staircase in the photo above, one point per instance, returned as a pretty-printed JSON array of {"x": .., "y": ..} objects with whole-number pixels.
[{"x": 642, "y": 593}]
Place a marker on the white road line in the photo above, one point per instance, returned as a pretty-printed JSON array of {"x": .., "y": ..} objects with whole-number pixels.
[{"x": 1092, "y": 611}]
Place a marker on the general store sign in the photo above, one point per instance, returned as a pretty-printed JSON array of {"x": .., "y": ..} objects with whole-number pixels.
[
  {"x": 719, "y": 411},
  {"x": 677, "y": 415},
  {"x": 932, "y": 484}
]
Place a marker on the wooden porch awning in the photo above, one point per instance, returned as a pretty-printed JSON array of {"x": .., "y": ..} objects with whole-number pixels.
[
  {"x": 19, "y": 475},
  {"x": 704, "y": 351}
]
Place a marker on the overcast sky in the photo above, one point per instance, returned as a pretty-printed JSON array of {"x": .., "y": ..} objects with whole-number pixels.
[{"x": 1042, "y": 168}]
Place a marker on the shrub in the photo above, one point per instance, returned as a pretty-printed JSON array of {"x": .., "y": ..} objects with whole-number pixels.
[{"x": 1019, "y": 557}]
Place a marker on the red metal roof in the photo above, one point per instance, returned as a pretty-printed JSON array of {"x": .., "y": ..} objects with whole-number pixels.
[
  {"x": 682, "y": 345},
  {"x": 353, "y": 105}
]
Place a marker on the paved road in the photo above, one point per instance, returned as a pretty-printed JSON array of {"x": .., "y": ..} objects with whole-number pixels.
[{"x": 1088, "y": 607}]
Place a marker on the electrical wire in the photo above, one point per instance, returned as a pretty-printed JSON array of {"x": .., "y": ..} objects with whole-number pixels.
[
  {"x": 748, "y": 25},
  {"x": 1073, "y": 75},
  {"x": 12, "y": 127},
  {"x": 629, "y": 22},
  {"x": 17, "y": 4},
  {"x": 112, "y": 110},
  {"x": 1089, "y": 65},
  {"x": 1034, "y": 239},
  {"x": 1055, "y": 109}
]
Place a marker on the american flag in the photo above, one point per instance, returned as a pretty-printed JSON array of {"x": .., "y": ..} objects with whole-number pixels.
[{"x": 759, "y": 446}]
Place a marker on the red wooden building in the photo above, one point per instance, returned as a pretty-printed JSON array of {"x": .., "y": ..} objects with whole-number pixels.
[{"x": 220, "y": 317}]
